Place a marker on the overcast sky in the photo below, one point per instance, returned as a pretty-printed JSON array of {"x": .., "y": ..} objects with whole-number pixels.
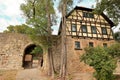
[{"x": 10, "y": 13}]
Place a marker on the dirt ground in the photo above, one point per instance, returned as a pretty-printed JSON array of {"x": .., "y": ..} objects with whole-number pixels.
[
  {"x": 31, "y": 74},
  {"x": 8, "y": 74}
]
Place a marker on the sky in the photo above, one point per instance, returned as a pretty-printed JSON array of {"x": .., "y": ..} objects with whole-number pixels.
[{"x": 10, "y": 13}]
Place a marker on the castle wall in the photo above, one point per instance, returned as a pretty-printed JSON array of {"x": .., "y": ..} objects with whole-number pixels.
[{"x": 12, "y": 47}]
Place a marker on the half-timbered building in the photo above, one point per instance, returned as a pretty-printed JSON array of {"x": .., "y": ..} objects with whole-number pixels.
[{"x": 84, "y": 29}]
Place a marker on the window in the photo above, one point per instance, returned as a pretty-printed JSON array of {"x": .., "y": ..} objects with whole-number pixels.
[
  {"x": 73, "y": 28},
  {"x": 88, "y": 15},
  {"x": 105, "y": 45},
  {"x": 85, "y": 14},
  {"x": 93, "y": 29},
  {"x": 91, "y": 15},
  {"x": 104, "y": 30},
  {"x": 77, "y": 45},
  {"x": 91, "y": 44},
  {"x": 84, "y": 28}
]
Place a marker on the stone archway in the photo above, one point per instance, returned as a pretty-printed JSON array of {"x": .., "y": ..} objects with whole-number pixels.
[
  {"x": 28, "y": 57},
  {"x": 31, "y": 60}
]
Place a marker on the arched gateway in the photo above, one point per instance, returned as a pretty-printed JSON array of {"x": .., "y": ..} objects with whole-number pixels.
[
  {"x": 13, "y": 49},
  {"x": 30, "y": 59}
]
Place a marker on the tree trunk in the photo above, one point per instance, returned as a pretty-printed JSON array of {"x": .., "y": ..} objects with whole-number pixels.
[
  {"x": 63, "y": 42},
  {"x": 50, "y": 56}
]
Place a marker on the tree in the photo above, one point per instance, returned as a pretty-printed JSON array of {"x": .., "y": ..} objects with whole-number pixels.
[
  {"x": 17, "y": 29},
  {"x": 117, "y": 36},
  {"x": 37, "y": 53},
  {"x": 37, "y": 50},
  {"x": 103, "y": 63},
  {"x": 114, "y": 50},
  {"x": 49, "y": 38},
  {"x": 103, "y": 60},
  {"x": 111, "y": 7},
  {"x": 64, "y": 7},
  {"x": 40, "y": 15}
]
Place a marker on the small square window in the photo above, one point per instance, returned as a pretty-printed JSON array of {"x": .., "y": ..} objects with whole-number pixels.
[
  {"x": 73, "y": 28},
  {"x": 77, "y": 45},
  {"x": 93, "y": 29},
  {"x": 91, "y": 44},
  {"x": 105, "y": 45},
  {"x": 104, "y": 30},
  {"x": 84, "y": 28}
]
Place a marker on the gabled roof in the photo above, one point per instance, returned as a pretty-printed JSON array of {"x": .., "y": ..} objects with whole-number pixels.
[{"x": 88, "y": 9}]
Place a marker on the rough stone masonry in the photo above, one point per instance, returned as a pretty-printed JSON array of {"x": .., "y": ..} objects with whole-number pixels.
[{"x": 12, "y": 46}]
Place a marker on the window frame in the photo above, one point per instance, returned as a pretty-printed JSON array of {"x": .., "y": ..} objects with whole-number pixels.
[
  {"x": 92, "y": 30},
  {"x": 75, "y": 27},
  {"x": 88, "y": 15},
  {"x": 91, "y": 15},
  {"x": 85, "y": 14},
  {"x": 84, "y": 26},
  {"x": 91, "y": 45},
  {"x": 102, "y": 30},
  {"x": 104, "y": 45},
  {"x": 77, "y": 45}
]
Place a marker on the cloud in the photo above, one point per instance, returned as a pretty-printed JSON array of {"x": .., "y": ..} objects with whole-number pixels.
[
  {"x": 116, "y": 28},
  {"x": 3, "y": 24},
  {"x": 87, "y": 3},
  {"x": 10, "y": 13}
]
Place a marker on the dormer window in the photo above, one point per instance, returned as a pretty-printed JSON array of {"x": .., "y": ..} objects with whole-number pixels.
[
  {"x": 73, "y": 27},
  {"x": 84, "y": 28},
  {"x": 104, "y": 30},
  {"x": 88, "y": 15}
]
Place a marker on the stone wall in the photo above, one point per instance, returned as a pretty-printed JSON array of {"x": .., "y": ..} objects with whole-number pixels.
[
  {"x": 12, "y": 46},
  {"x": 73, "y": 55},
  {"x": 74, "y": 66}
]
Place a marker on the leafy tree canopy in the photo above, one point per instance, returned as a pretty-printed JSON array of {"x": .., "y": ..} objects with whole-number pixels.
[
  {"x": 36, "y": 16},
  {"x": 117, "y": 36},
  {"x": 111, "y": 7},
  {"x": 37, "y": 50},
  {"x": 114, "y": 50},
  {"x": 23, "y": 29},
  {"x": 103, "y": 60}
]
